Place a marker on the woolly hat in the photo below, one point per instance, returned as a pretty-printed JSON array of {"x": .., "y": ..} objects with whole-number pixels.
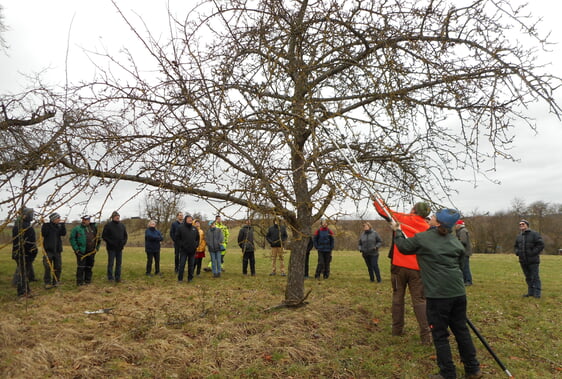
[
  {"x": 86, "y": 217},
  {"x": 115, "y": 213},
  {"x": 27, "y": 213},
  {"x": 212, "y": 222},
  {"x": 525, "y": 221},
  {"x": 448, "y": 217},
  {"x": 422, "y": 209},
  {"x": 54, "y": 216},
  {"x": 460, "y": 222}
]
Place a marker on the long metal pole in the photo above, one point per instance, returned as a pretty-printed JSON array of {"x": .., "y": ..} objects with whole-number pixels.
[
  {"x": 354, "y": 166},
  {"x": 483, "y": 340}
]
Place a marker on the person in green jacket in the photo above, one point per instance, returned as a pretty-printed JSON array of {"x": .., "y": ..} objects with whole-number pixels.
[
  {"x": 85, "y": 242},
  {"x": 440, "y": 256}
]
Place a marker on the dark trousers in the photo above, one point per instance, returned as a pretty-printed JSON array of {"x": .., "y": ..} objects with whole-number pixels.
[
  {"x": 467, "y": 275},
  {"x": 84, "y": 269},
  {"x": 306, "y": 265},
  {"x": 531, "y": 272},
  {"x": 190, "y": 260},
  {"x": 372, "y": 262},
  {"x": 443, "y": 314},
  {"x": 176, "y": 258},
  {"x": 22, "y": 275},
  {"x": 249, "y": 257},
  {"x": 323, "y": 267},
  {"x": 114, "y": 258},
  {"x": 198, "y": 264},
  {"x": 153, "y": 256},
  {"x": 53, "y": 268}
]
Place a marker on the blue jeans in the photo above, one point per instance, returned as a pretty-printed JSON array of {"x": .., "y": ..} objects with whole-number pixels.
[
  {"x": 451, "y": 313},
  {"x": 467, "y": 275},
  {"x": 216, "y": 261},
  {"x": 117, "y": 258},
  {"x": 532, "y": 278},
  {"x": 372, "y": 262}
]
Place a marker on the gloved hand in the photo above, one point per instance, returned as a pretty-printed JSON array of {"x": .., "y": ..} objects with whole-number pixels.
[{"x": 394, "y": 225}]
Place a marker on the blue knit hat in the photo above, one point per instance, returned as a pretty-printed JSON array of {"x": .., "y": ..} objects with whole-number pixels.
[{"x": 448, "y": 217}]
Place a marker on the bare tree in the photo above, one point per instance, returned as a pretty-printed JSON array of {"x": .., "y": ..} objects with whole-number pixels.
[
  {"x": 162, "y": 207},
  {"x": 279, "y": 106}
]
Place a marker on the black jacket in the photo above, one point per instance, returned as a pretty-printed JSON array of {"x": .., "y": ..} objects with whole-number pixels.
[
  {"x": 24, "y": 244},
  {"x": 528, "y": 247},
  {"x": 52, "y": 237},
  {"x": 115, "y": 235},
  {"x": 187, "y": 238},
  {"x": 276, "y": 235},
  {"x": 246, "y": 238}
]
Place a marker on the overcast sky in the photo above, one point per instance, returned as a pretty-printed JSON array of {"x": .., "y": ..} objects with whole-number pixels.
[{"x": 38, "y": 32}]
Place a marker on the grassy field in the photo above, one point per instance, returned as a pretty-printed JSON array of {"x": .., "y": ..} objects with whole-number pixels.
[{"x": 219, "y": 328}]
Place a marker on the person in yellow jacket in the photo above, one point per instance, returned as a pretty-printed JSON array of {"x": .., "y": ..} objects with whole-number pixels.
[{"x": 200, "y": 251}]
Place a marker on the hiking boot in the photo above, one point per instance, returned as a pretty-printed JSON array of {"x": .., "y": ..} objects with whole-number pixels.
[{"x": 476, "y": 375}]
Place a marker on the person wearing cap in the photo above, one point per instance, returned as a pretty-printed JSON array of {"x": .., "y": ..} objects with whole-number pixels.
[
  {"x": 528, "y": 247},
  {"x": 52, "y": 233},
  {"x": 85, "y": 242},
  {"x": 404, "y": 269},
  {"x": 441, "y": 256},
  {"x": 152, "y": 241},
  {"x": 115, "y": 236},
  {"x": 464, "y": 237},
  {"x": 24, "y": 250},
  {"x": 214, "y": 238},
  {"x": 187, "y": 236}
]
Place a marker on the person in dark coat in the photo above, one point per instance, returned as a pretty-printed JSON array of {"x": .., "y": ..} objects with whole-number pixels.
[
  {"x": 441, "y": 257},
  {"x": 24, "y": 249},
  {"x": 277, "y": 237},
  {"x": 528, "y": 247},
  {"x": 323, "y": 242},
  {"x": 152, "y": 240},
  {"x": 246, "y": 243},
  {"x": 115, "y": 236},
  {"x": 52, "y": 233},
  {"x": 85, "y": 242},
  {"x": 369, "y": 243},
  {"x": 187, "y": 236},
  {"x": 309, "y": 247},
  {"x": 173, "y": 229}
]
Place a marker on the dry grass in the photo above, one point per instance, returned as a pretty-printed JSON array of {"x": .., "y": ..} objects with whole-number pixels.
[{"x": 219, "y": 328}]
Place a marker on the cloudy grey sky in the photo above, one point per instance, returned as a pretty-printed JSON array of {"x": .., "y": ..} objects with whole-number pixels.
[{"x": 38, "y": 33}]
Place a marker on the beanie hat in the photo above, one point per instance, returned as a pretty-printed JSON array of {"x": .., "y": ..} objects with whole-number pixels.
[
  {"x": 86, "y": 217},
  {"x": 212, "y": 222},
  {"x": 448, "y": 217},
  {"x": 54, "y": 216},
  {"x": 27, "y": 213},
  {"x": 525, "y": 221},
  {"x": 460, "y": 222},
  {"x": 422, "y": 209},
  {"x": 115, "y": 213}
]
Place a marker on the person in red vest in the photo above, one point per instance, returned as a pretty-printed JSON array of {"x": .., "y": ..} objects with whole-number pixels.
[{"x": 404, "y": 269}]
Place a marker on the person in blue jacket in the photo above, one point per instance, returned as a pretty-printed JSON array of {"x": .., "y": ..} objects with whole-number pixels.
[
  {"x": 323, "y": 242},
  {"x": 152, "y": 239}
]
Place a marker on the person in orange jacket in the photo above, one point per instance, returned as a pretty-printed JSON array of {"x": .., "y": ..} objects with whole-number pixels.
[{"x": 404, "y": 269}]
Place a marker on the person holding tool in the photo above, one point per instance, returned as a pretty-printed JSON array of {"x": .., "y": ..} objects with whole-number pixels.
[
  {"x": 404, "y": 269},
  {"x": 440, "y": 256}
]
